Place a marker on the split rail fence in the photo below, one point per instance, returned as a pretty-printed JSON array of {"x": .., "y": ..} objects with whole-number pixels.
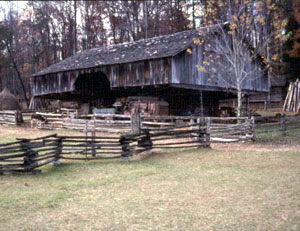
[
  {"x": 277, "y": 124},
  {"x": 10, "y": 117},
  {"x": 223, "y": 129},
  {"x": 27, "y": 155},
  {"x": 232, "y": 129}
]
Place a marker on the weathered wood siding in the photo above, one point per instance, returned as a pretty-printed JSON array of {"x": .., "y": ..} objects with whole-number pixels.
[
  {"x": 180, "y": 70},
  {"x": 185, "y": 72},
  {"x": 143, "y": 73},
  {"x": 54, "y": 83}
]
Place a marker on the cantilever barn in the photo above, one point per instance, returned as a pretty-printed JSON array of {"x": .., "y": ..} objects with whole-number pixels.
[{"x": 158, "y": 67}]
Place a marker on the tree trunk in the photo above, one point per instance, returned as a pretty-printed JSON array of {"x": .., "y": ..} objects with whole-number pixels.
[
  {"x": 157, "y": 26},
  {"x": 239, "y": 98},
  {"x": 193, "y": 14},
  {"x": 18, "y": 74},
  {"x": 146, "y": 18},
  {"x": 75, "y": 27}
]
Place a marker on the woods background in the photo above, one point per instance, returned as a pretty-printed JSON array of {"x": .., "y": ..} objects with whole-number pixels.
[{"x": 42, "y": 33}]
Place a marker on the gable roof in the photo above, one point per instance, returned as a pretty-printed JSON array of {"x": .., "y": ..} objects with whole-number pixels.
[{"x": 153, "y": 48}]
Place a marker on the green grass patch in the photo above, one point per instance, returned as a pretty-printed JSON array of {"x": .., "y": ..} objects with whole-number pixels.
[
  {"x": 275, "y": 136},
  {"x": 175, "y": 190},
  {"x": 230, "y": 187}
]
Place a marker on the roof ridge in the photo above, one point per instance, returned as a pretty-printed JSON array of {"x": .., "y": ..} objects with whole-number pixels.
[
  {"x": 143, "y": 49},
  {"x": 140, "y": 40}
]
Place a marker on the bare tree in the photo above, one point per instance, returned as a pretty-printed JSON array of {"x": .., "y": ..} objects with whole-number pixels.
[
  {"x": 5, "y": 43},
  {"x": 231, "y": 29}
]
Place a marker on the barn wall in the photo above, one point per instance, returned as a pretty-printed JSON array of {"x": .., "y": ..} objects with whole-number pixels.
[
  {"x": 185, "y": 71},
  {"x": 54, "y": 83},
  {"x": 180, "y": 69},
  {"x": 143, "y": 73}
]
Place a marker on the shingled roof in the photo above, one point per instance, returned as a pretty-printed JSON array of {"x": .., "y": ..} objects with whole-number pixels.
[{"x": 157, "y": 47}]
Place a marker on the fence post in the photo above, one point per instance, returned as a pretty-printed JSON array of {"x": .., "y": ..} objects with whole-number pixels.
[
  {"x": 146, "y": 142},
  {"x": 17, "y": 118},
  {"x": 201, "y": 131},
  {"x": 207, "y": 122},
  {"x": 191, "y": 121},
  {"x": 93, "y": 143},
  {"x": 265, "y": 105},
  {"x": 283, "y": 125},
  {"x": 125, "y": 143},
  {"x": 135, "y": 123},
  {"x": 248, "y": 107},
  {"x": 252, "y": 129},
  {"x": 86, "y": 128},
  {"x": 86, "y": 135},
  {"x": 94, "y": 128}
]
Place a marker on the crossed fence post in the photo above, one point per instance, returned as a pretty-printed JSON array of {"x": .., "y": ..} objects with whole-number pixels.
[
  {"x": 204, "y": 131},
  {"x": 146, "y": 142},
  {"x": 29, "y": 159},
  {"x": 58, "y": 151},
  {"x": 126, "y": 151}
]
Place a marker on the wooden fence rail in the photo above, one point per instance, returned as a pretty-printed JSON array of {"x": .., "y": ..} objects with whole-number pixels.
[
  {"x": 232, "y": 129},
  {"x": 26, "y": 155},
  {"x": 11, "y": 117},
  {"x": 279, "y": 123},
  {"x": 223, "y": 129}
]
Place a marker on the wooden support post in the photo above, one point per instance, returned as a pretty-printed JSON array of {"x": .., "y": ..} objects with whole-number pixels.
[
  {"x": 135, "y": 123},
  {"x": 283, "y": 125},
  {"x": 201, "y": 131},
  {"x": 201, "y": 104},
  {"x": 248, "y": 107},
  {"x": 265, "y": 105}
]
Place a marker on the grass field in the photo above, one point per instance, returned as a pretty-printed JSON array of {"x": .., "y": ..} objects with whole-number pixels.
[{"x": 228, "y": 187}]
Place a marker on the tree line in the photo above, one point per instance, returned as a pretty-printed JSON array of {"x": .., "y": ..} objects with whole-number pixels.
[{"x": 45, "y": 32}]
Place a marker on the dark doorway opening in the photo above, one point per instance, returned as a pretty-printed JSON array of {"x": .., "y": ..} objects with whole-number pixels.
[{"x": 93, "y": 86}]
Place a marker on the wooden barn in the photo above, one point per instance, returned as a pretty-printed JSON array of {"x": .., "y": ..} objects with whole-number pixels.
[
  {"x": 159, "y": 67},
  {"x": 262, "y": 100}
]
